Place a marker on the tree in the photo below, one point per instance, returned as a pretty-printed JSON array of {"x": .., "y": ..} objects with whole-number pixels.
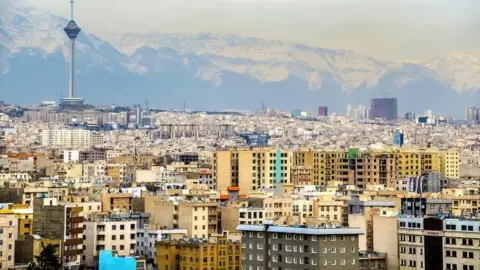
[{"x": 47, "y": 260}]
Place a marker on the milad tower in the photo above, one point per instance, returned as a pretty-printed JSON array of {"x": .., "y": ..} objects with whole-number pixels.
[{"x": 72, "y": 30}]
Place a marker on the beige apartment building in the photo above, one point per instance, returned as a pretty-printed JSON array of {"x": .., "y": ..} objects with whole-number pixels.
[
  {"x": 103, "y": 231},
  {"x": 438, "y": 243},
  {"x": 278, "y": 207},
  {"x": 199, "y": 218},
  {"x": 251, "y": 168},
  {"x": 332, "y": 211},
  {"x": 116, "y": 202},
  {"x": 303, "y": 209},
  {"x": 8, "y": 231}
]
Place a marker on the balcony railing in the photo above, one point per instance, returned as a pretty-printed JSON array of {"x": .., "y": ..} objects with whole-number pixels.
[
  {"x": 73, "y": 252},
  {"x": 76, "y": 230},
  {"x": 71, "y": 242},
  {"x": 76, "y": 219}
]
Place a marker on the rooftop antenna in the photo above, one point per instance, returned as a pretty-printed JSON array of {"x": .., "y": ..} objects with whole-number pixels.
[{"x": 71, "y": 10}]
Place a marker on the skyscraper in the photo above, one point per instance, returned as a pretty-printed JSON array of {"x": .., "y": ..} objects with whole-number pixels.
[
  {"x": 323, "y": 111},
  {"x": 384, "y": 108},
  {"x": 72, "y": 30},
  {"x": 472, "y": 114}
]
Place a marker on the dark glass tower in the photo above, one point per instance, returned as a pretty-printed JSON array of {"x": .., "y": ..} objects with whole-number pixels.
[{"x": 384, "y": 108}]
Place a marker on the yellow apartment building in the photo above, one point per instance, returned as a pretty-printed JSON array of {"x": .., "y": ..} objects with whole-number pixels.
[
  {"x": 415, "y": 162},
  {"x": 24, "y": 214},
  {"x": 450, "y": 164},
  {"x": 217, "y": 253}
]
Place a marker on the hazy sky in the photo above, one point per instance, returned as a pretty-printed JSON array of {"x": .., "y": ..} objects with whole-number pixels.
[{"x": 387, "y": 29}]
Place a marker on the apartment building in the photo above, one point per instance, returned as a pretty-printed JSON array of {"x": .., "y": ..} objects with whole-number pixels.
[
  {"x": 147, "y": 237},
  {"x": 109, "y": 232},
  {"x": 29, "y": 247},
  {"x": 278, "y": 207},
  {"x": 333, "y": 212},
  {"x": 205, "y": 177},
  {"x": 217, "y": 252},
  {"x": 8, "y": 231},
  {"x": 62, "y": 221},
  {"x": 251, "y": 168},
  {"x": 302, "y": 210},
  {"x": 434, "y": 243},
  {"x": 450, "y": 164},
  {"x": 415, "y": 162},
  {"x": 242, "y": 212},
  {"x": 319, "y": 164},
  {"x": 278, "y": 247},
  {"x": 117, "y": 202},
  {"x": 24, "y": 216},
  {"x": 66, "y": 138},
  {"x": 199, "y": 218}
]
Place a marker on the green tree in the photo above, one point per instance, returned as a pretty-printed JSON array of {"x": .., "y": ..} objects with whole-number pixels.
[{"x": 47, "y": 260}]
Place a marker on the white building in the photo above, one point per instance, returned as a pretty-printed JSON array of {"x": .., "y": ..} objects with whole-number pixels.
[
  {"x": 146, "y": 239},
  {"x": 251, "y": 216},
  {"x": 66, "y": 138},
  {"x": 71, "y": 156}
]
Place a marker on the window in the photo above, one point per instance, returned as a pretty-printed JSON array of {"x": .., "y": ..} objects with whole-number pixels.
[
  {"x": 288, "y": 248},
  {"x": 288, "y": 259},
  {"x": 260, "y": 234},
  {"x": 274, "y": 247},
  {"x": 114, "y": 237},
  {"x": 122, "y": 247},
  {"x": 314, "y": 261},
  {"x": 314, "y": 249},
  {"x": 114, "y": 227},
  {"x": 451, "y": 253},
  {"x": 259, "y": 246},
  {"x": 314, "y": 238},
  {"x": 451, "y": 266},
  {"x": 333, "y": 237},
  {"x": 260, "y": 258},
  {"x": 275, "y": 236}
]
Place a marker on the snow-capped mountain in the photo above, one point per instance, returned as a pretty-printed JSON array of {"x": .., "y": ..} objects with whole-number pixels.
[{"x": 216, "y": 70}]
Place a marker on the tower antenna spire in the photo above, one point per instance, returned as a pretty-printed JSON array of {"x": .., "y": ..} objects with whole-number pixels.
[{"x": 71, "y": 10}]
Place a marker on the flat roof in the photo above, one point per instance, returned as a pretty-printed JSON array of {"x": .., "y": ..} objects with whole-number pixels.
[{"x": 302, "y": 230}]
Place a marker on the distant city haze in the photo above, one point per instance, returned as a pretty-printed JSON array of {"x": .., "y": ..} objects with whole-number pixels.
[{"x": 391, "y": 30}]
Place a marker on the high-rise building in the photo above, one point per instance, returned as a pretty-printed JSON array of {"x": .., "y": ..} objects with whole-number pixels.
[
  {"x": 384, "y": 108},
  {"x": 251, "y": 168},
  {"x": 67, "y": 138},
  {"x": 282, "y": 247},
  {"x": 72, "y": 30},
  {"x": 323, "y": 111},
  {"x": 472, "y": 114}
]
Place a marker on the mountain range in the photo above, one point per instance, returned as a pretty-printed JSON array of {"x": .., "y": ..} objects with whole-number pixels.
[{"x": 212, "y": 71}]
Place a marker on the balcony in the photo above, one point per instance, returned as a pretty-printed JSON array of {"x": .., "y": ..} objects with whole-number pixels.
[
  {"x": 77, "y": 209},
  {"x": 75, "y": 219},
  {"x": 71, "y": 242},
  {"x": 73, "y": 252},
  {"x": 76, "y": 230}
]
